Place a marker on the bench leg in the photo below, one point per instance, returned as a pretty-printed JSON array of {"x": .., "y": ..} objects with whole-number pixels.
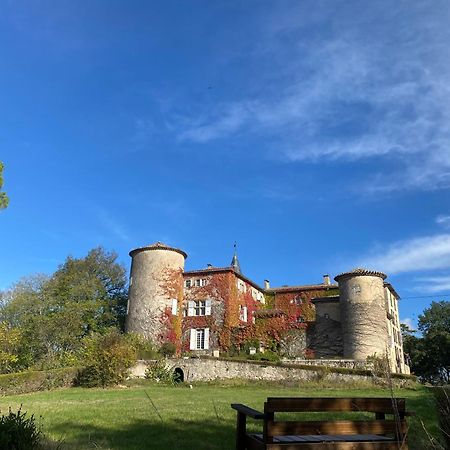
[{"x": 241, "y": 428}]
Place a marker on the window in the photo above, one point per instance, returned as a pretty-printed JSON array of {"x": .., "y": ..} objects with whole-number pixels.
[
  {"x": 199, "y": 308},
  {"x": 174, "y": 307},
  {"x": 356, "y": 288},
  {"x": 188, "y": 283},
  {"x": 200, "y": 282},
  {"x": 243, "y": 313},
  {"x": 241, "y": 286},
  {"x": 199, "y": 339}
]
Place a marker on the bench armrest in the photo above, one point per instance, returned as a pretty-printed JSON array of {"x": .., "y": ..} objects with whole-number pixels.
[{"x": 248, "y": 411}]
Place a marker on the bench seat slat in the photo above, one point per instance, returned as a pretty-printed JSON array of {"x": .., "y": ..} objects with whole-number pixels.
[
  {"x": 327, "y": 438},
  {"x": 293, "y": 404},
  {"x": 344, "y": 427}
]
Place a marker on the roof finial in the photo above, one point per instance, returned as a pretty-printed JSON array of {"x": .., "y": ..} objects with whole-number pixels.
[{"x": 235, "y": 262}]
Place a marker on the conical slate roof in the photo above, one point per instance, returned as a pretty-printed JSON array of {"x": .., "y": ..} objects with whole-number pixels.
[
  {"x": 361, "y": 272},
  {"x": 235, "y": 262}
]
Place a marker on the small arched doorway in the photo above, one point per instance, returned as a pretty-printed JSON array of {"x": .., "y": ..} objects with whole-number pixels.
[{"x": 178, "y": 375}]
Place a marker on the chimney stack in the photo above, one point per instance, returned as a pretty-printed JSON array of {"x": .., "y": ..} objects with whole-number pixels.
[
  {"x": 266, "y": 284},
  {"x": 209, "y": 266},
  {"x": 326, "y": 279}
]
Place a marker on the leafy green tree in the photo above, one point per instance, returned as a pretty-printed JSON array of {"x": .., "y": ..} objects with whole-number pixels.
[
  {"x": 4, "y": 200},
  {"x": 55, "y": 313},
  {"x": 107, "y": 358},
  {"x": 430, "y": 353},
  {"x": 434, "y": 323},
  {"x": 10, "y": 351}
]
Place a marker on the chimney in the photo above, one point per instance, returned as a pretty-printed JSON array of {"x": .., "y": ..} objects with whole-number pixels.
[
  {"x": 266, "y": 284},
  {"x": 326, "y": 279},
  {"x": 209, "y": 266}
]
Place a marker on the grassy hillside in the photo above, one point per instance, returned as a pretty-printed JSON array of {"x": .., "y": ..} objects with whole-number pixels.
[{"x": 148, "y": 416}]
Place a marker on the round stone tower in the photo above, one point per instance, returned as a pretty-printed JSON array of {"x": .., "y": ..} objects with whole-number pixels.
[
  {"x": 363, "y": 313},
  {"x": 156, "y": 286}
]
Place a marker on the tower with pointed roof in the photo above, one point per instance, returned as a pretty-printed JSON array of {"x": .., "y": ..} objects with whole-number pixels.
[{"x": 235, "y": 261}]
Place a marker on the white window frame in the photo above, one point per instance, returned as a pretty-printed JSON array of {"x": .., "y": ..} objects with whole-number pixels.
[
  {"x": 199, "y": 339},
  {"x": 188, "y": 284},
  {"x": 243, "y": 313},
  {"x": 200, "y": 282},
  {"x": 199, "y": 308},
  {"x": 174, "y": 306}
]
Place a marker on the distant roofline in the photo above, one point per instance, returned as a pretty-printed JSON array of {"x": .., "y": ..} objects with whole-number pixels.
[
  {"x": 305, "y": 287},
  {"x": 223, "y": 269},
  {"x": 391, "y": 288},
  {"x": 330, "y": 299}
]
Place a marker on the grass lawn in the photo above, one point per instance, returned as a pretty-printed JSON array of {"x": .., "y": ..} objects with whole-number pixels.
[{"x": 149, "y": 416}]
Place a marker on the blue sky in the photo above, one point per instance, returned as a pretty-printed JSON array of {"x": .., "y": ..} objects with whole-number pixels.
[{"x": 313, "y": 133}]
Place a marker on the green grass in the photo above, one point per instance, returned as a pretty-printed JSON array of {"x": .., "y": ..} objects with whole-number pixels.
[{"x": 149, "y": 416}]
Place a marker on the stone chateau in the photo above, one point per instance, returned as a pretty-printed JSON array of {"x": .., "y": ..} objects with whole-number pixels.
[{"x": 219, "y": 309}]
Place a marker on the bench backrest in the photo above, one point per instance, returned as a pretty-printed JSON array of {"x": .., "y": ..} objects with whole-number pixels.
[{"x": 380, "y": 406}]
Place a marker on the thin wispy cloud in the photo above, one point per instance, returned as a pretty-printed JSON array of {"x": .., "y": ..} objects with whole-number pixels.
[
  {"x": 417, "y": 254},
  {"x": 410, "y": 323},
  {"x": 443, "y": 221},
  {"x": 372, "y": 87},
  {"x": 434, "y": 284},
  {"x": 113, "y": 226}
]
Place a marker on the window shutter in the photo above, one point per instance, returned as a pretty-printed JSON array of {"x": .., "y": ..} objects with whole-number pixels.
[
  {"x": 193, "y": 341},
  {"x": 190, "y": 308},
  {"x": 174, "y": 307},
  {"x": 208, "y": 308},
  {"x": 206, "y": 338},
  {"x": 245, "y": 314}
]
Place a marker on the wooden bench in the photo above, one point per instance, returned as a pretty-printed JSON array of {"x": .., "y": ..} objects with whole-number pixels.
[{"x": 379, "y": 433}]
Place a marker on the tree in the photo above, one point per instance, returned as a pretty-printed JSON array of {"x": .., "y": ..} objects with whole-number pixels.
[
  {"x": 430, "y": 353},
  {"x": 55, "y": 313},
  {"x": 434, "y": 323},
  {"x": 4, "y": 200}
]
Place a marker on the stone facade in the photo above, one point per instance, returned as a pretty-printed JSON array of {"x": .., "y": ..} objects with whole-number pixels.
[{"x": 219, "y": 309}]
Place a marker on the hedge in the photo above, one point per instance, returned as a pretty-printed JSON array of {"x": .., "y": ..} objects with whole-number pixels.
[{"x": 31, "y": 381}]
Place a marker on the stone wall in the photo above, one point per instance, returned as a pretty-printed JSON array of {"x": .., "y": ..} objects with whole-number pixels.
[
  {"x": 209, "y": 369},
  {"x": 342, "y": 363}
]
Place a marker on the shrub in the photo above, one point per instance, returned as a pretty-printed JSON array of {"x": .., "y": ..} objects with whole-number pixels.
[
  {"x": 159, "y": 372},
  {"x": 31, "y": 381},
  {"x": 107, "y": 359},
  {"x": 18, "y": 432},
  {"x": 167, "y": 349},
  {"x": 268, "y": 355},
  {"x": 144, "y": 348}
]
